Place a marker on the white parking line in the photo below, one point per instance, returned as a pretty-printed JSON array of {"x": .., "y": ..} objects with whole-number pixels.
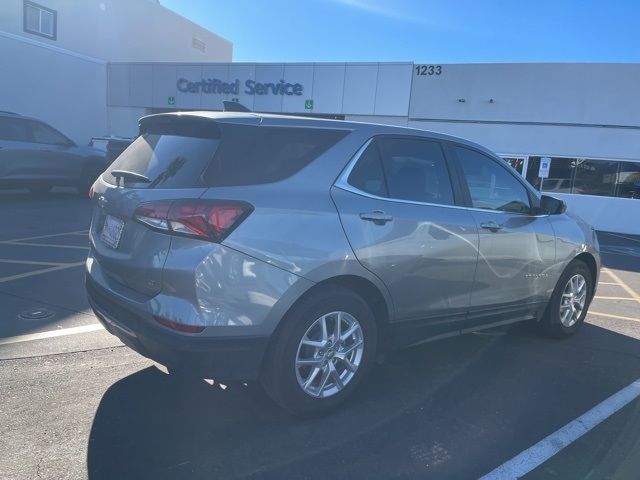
[
  {"x": 50, "y": 334},
  {"x": 546, "y": 448},
  {"x": 40, "y": 271},
  {"x": 48, "y": 245},
  {"x": 29, "y": 262},
  {"x": 75, "y": 232}
]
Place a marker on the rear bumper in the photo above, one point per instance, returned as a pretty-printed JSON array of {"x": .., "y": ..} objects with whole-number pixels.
[{"x": 226, "y": 358}]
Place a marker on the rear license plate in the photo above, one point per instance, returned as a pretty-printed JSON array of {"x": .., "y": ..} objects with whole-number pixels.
[{"x": 112, "y": 231}]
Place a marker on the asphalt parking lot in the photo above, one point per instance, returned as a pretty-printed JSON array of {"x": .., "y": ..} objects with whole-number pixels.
[{"x": 75, "y": 403}]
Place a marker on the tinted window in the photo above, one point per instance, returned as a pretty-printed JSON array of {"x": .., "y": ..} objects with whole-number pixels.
[
  {"x": 45, "y": 134},
  {"x": 491, "y": 186},
  {"x": 416, "y": 170},
  {"x": 255, "y": 155},
  {"x": 595, "y": 177},
  {"x": 628, "y": 182},
  {"x": 367, "y": 174},
  {"x": 560, "y": 174},
  {"x": 169, "y": 161},
  {"x": 13, "y": 130}
]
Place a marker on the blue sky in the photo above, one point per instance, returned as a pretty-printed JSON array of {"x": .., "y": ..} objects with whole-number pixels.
[{"x": 424, "y": 31}]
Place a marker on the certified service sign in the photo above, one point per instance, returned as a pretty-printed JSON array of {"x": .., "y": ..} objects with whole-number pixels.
[{"x": 250, "y": 87}]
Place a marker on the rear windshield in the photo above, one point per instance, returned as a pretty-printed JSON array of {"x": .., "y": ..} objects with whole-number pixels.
[
  {"x": 255, "y": 155},
  {"x": 242, "y": 155},
  {"x": 168, "y": 161}
]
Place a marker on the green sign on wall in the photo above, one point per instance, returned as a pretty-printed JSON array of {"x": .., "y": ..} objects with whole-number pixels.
[
  {"x": 171, "y": 100},
  {"x": 308, "y": 104}
]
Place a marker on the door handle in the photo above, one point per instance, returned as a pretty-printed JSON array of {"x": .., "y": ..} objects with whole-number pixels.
[
  {"x": 493, "y": 226},
  {"x": 378, "y": 217}
]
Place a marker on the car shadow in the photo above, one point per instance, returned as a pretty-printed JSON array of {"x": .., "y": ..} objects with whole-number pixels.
[{"x": 451, "y": 409}]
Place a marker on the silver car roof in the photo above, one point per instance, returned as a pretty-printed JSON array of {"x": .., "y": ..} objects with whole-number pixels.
[{"x": 251, "y": 118}]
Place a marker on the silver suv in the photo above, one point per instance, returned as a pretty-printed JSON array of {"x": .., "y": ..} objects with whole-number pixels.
[{"x": 293, "y": 251}]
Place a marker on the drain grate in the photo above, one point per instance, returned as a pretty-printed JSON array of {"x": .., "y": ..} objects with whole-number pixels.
[{"x": 36, "y": 314}]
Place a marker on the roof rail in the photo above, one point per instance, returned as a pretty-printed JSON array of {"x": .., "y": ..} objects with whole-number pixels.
[
  {"x": 9, "y": 113},
  {"x": 233, "y": 107}
]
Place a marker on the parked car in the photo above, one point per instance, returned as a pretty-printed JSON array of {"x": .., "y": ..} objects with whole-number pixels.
[
  {"x": 293, "y": 251},
  {"x": 36, "y": 156}
]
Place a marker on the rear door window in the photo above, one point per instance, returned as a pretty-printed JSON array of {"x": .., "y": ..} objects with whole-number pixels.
[
  {"x": 45, "y": 134},
  {"x": 416, "y": 170},
  {"x": 13, "y": 130},
  {"x": 367, "y": 174},
  {"x": 256, "y": 155}
]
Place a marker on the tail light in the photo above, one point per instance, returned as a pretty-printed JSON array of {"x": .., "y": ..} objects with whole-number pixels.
[
  {"x": 91, "y": 192},
  {"x": 211, "y": 220}
]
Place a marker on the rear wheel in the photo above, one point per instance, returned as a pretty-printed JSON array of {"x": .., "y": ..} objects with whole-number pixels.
[
  {"x": 323, "y": 350},
  {"x": 568, "y": 305}
]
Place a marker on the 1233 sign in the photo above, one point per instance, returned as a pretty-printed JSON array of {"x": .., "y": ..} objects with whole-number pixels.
[{"x": 428, "y": 70}]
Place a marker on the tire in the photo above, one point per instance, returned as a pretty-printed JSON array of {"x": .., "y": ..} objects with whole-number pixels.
[
  {"x": 552, "y": 321},
  {"x": 283, "y": 380}
]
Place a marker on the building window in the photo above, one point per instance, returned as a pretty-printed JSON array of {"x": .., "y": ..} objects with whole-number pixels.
[
  {"x": 40, "y": 20},
  {"x": 516, "y": 162},
  {"x": 595, "y": 177},
  {"x": 561, "y": 174},
  {"x": 628, "y": 180},
  {"x": 198, "y": 44}
]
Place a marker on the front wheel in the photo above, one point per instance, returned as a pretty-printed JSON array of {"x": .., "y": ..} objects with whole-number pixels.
[
  {"x": 323, "y": 350},
  {"x": 569, "y": 302}
]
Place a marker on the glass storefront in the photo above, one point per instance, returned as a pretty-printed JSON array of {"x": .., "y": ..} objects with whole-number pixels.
[
  {"x": 628, "y": 180},
  {"x": 581, "y": 176}
]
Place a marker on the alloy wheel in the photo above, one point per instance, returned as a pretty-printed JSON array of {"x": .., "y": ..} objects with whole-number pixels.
[
  {"x": 573, "y": 300},
  {"x": 329, "y": 354}
]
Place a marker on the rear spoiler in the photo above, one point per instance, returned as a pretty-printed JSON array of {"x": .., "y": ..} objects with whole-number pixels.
[
  {"x": 181, "y": 125},
  {"x": 228, "y": 106}
]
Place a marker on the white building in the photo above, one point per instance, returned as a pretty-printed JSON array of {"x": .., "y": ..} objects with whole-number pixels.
[
  {"x": 584, "y": 116},
  {"x": 55, "y": 54}
]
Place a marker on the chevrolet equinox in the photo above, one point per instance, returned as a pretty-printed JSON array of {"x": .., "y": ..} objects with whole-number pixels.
[{"x": 293, "y": 251}]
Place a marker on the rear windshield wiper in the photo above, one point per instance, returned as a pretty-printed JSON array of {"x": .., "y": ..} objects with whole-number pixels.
[{"x": 131, "y": 176}]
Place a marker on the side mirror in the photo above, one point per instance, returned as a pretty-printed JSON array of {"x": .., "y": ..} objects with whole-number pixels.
[{"x": 552, "y": 206}]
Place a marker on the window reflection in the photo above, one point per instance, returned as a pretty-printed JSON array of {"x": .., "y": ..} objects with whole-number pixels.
[
  {"x": 583, "y": 176},
  {"x": 628, "y": 180},
  {"x": 516, "y": 162},
  {"x": 595, "y": 177},
  {"x": 560, "y": 174}
]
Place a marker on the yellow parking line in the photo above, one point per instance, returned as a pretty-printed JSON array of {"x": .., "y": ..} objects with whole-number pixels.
[
  {"x": 75, "y": 232},
  {"x": 614, "y": 298},
  {"x": 29, "y": 262},
  {"x": 609, "y": 315},
  {"x": 609, "y": 283},
  {"x": 40, "y": 272},
  {"x": 626, "y": 287},
  {"x": 52, "y": 245}
]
